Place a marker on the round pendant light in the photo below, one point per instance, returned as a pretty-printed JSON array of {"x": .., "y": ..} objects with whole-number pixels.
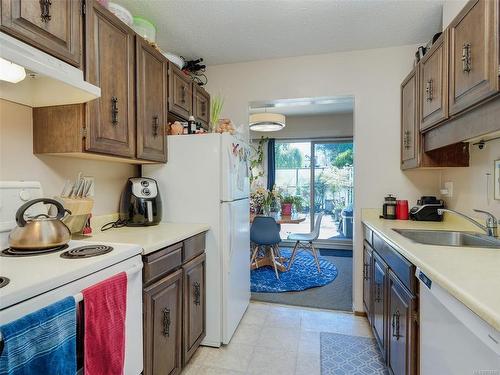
[{"x": 266, "y": 122}]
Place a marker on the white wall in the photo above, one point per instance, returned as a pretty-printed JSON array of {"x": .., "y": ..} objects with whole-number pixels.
[
  {"x": 450, "y": 9},
  {"x": 373, "y": 78},
  {"x": 314, "y": 126},
  {"x": 17, "y": 162}
]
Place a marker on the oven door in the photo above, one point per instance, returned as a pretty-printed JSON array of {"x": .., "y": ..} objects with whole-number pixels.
[{"x": 133, "y": 321}]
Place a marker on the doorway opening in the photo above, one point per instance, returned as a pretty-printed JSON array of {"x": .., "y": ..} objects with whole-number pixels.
[{"x": 310, "y": 162}]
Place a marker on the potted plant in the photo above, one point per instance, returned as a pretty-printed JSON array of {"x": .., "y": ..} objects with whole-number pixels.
[{"x": 288, "y": 202}]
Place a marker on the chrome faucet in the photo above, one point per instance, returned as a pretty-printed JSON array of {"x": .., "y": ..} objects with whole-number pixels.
[{"x": 491, "y": 222}]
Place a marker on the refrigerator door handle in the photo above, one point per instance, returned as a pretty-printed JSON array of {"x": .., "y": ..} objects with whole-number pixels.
[{"x": 230, "y": 250}]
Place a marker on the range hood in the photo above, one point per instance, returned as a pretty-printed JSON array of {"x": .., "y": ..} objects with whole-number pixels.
[{"x": 49, "y": 81}]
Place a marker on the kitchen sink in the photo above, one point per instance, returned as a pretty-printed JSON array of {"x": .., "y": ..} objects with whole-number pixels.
[{"x": 449, "y": 238}]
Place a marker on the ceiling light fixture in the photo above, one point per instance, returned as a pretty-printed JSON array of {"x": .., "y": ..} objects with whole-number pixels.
[
  {"x": 266, "y": 122},
  {"x": 11, "y": 72}
]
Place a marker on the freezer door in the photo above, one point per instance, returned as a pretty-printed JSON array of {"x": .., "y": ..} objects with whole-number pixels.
[
  {"x": 235, "y": 177},
  {"x": 236, "y": 265}
]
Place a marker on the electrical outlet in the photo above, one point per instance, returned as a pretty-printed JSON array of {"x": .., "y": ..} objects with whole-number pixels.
[{"x": 447, "y": 190}]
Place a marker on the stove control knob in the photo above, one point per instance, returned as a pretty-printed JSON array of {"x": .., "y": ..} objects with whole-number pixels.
[
  {"x": 25, "y": 195},
  {"x": 146, "y": 191}
]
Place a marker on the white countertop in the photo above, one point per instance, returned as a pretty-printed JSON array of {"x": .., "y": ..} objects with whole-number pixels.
[
  {"x": 150, "y": 238},
  {"x": 472, "y": 275}
]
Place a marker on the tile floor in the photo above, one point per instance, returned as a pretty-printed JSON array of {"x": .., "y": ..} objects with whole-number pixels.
[{"x": 276, "y": 339}]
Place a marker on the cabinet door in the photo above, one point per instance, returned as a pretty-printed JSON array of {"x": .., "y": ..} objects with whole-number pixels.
[
  {"x": 163, "y": 326},
  {"x": 367, "y": 280},
  {"x": 402, "y": 348},
  {"x": 110, "y": 65},
  {"x": 409, "y": 122},
  {"x": 379, "y": 301},
  {"x": 201, "y": 105},
  {"x": 194, "y": 306},
  {"x": 151, "y": 102},
  {"x": 54, "y": 27},
  {"x": 434, "y": 84},
  {"x": 180, "y": 92},
  {"x": 474, "y": 55}
]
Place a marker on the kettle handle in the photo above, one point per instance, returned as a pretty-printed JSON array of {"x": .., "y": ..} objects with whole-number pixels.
[{"x": 20, "y": 212}]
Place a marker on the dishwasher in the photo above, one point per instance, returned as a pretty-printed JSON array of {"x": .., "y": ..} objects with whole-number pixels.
[{"x": 453, "y": 339}]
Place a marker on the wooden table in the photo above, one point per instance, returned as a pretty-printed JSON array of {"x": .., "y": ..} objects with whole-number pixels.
[
  {"x": 283, "y": 219},
  {"x": 267, "y": 260}
]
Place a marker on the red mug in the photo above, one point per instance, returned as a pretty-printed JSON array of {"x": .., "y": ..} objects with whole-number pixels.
[{"x": 402, "y": 210}]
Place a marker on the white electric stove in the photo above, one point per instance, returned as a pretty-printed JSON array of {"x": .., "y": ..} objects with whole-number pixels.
[{"x": 29, "y": 282}]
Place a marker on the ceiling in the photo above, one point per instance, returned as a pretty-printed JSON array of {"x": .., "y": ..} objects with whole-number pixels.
[
  {"x": 305, "y": 106},
  {"x": 228, "y": 31}
]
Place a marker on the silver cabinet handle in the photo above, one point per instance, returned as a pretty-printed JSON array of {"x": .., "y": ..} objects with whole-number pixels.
[
  {"x": 166, "y": 322},
  {"x": 114, "y": 110},
  {"x": 466, "y": 58},
  {"x": 429, "y": 90},
  {"x": 45, "y": 10}
]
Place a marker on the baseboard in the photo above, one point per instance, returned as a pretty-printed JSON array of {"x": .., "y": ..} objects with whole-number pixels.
[{"x": 360, "y": 313}]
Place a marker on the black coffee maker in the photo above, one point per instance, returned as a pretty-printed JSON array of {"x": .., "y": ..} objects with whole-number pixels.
[
  {"x": 427, "y": 209},
  {"x": 140, "y": 203}
]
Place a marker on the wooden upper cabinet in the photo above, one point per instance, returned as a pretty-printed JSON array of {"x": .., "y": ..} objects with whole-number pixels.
[
  {"x": 110, "y": 65},
  {"x": 53, "y": 26},
  {"x": 180, "y": 89},
  {"x": 402, "y": 327},
  {"x": 163, "y": 326},
  {"x": 433, "y": 98},
  {"x": 194, "y": 306},
  {"x": 474, "y": 61},
  {"x": 151, "y": 102},
  {"x": 409, "y": 121},
  {"x": 201, "y": 105}
]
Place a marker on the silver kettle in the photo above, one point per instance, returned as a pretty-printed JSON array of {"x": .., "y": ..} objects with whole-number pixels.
[{"x": 41, "y": 231}]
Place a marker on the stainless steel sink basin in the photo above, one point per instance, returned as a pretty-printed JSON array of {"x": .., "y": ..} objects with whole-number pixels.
[{"x": 449, "y": 238}]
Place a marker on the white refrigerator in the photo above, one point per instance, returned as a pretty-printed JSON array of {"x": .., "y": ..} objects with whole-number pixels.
[{"x": 205, "y": 180}]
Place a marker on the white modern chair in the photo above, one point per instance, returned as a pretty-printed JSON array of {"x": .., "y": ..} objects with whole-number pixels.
[{"x": 304, "y": 241}]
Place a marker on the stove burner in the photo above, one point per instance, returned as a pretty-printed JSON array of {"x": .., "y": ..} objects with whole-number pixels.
[
  {"x": 3, "y": 281},
  {"x": 11, "y": 252},
  {"x": 86, "y": 251}
]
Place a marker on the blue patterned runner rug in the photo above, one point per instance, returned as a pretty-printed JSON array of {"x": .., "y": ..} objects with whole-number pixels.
[
  {"x": 302, "y": 275},
  {"x": 350, "y": 355}
]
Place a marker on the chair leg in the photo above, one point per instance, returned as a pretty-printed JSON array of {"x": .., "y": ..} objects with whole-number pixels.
[
  {"x": 254, "y": 254},
  {"x": 274, "y": 262},
  {"x": 292, "y": 257},
  {"x": 315, "y": 254}
]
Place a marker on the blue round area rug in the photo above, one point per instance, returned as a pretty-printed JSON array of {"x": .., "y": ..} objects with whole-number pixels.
[{"x": 302, "y": 275}]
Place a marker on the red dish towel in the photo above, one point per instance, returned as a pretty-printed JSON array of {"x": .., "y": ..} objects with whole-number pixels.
[{"x": 105, "y": 306}]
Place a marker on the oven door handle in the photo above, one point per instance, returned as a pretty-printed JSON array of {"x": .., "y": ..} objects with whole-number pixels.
[{"x": 134, "y": 269}]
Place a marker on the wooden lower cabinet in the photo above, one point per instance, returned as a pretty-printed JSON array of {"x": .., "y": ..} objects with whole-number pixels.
[
  {"x": 402, "y": 328},
  {"x": 194, "y": 306},
  {"x": 163, "y": 326},
  {"x": 379, "y": 323},
  {"x": 367, "y": 279},
  {"x": 174, "y": 306},
  {"x": 391, "y": 307}
]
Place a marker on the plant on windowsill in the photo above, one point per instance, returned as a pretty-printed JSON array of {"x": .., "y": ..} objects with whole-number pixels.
[{"x": 289, "y": 201}]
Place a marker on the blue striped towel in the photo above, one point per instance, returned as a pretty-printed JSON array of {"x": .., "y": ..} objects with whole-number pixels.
[{"x": 43, "y": 342}]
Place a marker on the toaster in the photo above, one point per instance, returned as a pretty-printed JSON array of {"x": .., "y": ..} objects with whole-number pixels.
[
  {"x": 427, "y": 209},
  {"x": 140, "y": 203}
]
